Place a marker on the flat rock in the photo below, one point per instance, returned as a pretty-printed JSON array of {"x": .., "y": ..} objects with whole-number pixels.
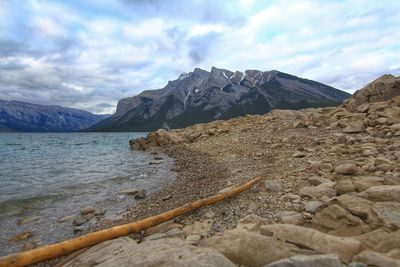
[
  {"x": 164, "y": 252},
  {"x": 87, "y": 210},
  {"x": 338, "y": 221},
  {"x": 316, "y": 180},
  {"x": 249, "y": 248},
  {"x": 344, "y": 247},
  {"x": 326, "y": 260},
  {"x": 171, "y": 233},
  {"x": 79, "y": 220},
  {"x": 382, "y": 193},
  {"x": 66, "y": 218},
  {"x": 298, "y": 154},
  {"x": 319, "y": 191}
]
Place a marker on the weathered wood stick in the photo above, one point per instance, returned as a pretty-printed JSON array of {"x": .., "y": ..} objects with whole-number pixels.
[{"x": 63, "y": 248}]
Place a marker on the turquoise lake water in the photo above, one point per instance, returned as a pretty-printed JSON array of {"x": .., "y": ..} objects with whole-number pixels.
[{"x": 47, "y": 176}]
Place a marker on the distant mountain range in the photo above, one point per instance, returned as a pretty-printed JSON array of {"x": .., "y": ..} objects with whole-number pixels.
[
  {"x": 16, "y": 116},
  {"x": 202, "y": 96}
]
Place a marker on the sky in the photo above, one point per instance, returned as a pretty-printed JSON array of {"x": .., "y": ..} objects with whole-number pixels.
[{"x": 89, "y": 54}]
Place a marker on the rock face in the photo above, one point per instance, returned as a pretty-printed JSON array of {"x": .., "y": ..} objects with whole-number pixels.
[
  {"x": 26, "y": 117},
  {"x": 382, "y": 89},
  {"x": 202, "y": 96}
]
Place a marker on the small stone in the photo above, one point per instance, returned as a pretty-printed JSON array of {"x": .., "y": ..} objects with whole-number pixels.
[
  {"x": 158, "y": 158},
  {"x": 166, "y": 198},
  {"x": 141, "y": 194},
  {"x": 87, "y": 210},
  {"x": 298, "y": 154},
  {"x": 131, "y": 191},
  {"x": 346, "y": 169},
  {"x": 79, "y": 220}
]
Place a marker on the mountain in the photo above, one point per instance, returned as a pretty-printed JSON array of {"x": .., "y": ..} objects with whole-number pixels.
[
  {"x": 16, "y": 116},
  {"x": 202, "y": 96}
]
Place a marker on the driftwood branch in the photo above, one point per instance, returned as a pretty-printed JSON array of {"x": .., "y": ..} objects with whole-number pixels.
[{"x": 63, "y": 248}]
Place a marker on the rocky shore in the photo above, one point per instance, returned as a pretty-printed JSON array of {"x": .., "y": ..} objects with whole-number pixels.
[{"x": 330, "y": 195}]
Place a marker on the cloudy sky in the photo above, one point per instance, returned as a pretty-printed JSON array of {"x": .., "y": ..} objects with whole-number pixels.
[{"x": 89, "y": 54}]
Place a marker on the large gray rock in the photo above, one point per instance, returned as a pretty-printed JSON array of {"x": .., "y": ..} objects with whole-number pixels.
[
  {"x": 164, "y": 252},
  {"x": 327, "y": 260},
  {"x": 388, "y": 213},
  {"x": 249, "y": 248},
  {"x": 344, "y": 247}
]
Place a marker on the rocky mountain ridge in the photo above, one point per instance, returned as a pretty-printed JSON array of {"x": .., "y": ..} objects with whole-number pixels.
[
  {"x": 16, "y": 116},
  {"x": 202, "y": 96}
]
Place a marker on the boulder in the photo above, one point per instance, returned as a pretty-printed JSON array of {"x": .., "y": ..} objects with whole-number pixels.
[
  {"x": 346, "y": 169},
  {"x": 249, "y": 248},
  {"x": 357, "y": 206},
  {"x": 327, "y": 260},
  {"x": 344, "y": 186},
  {"x": 382, "y": 193},
  {"x": 164, "y": 252},
  {"x": 363, "y": 183},
  {"x": 344, "y": 247},
  {"x": 373, "y": 258},
  {"x": 382, "y": 89},
  {"x": 338, "y": 221},
  {"x": 353, "y": 125}
]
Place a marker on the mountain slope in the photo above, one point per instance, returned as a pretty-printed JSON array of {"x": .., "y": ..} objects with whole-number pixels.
[
  {"x": 202, "y": 96},
  {"x": 26, "y": 117}
]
